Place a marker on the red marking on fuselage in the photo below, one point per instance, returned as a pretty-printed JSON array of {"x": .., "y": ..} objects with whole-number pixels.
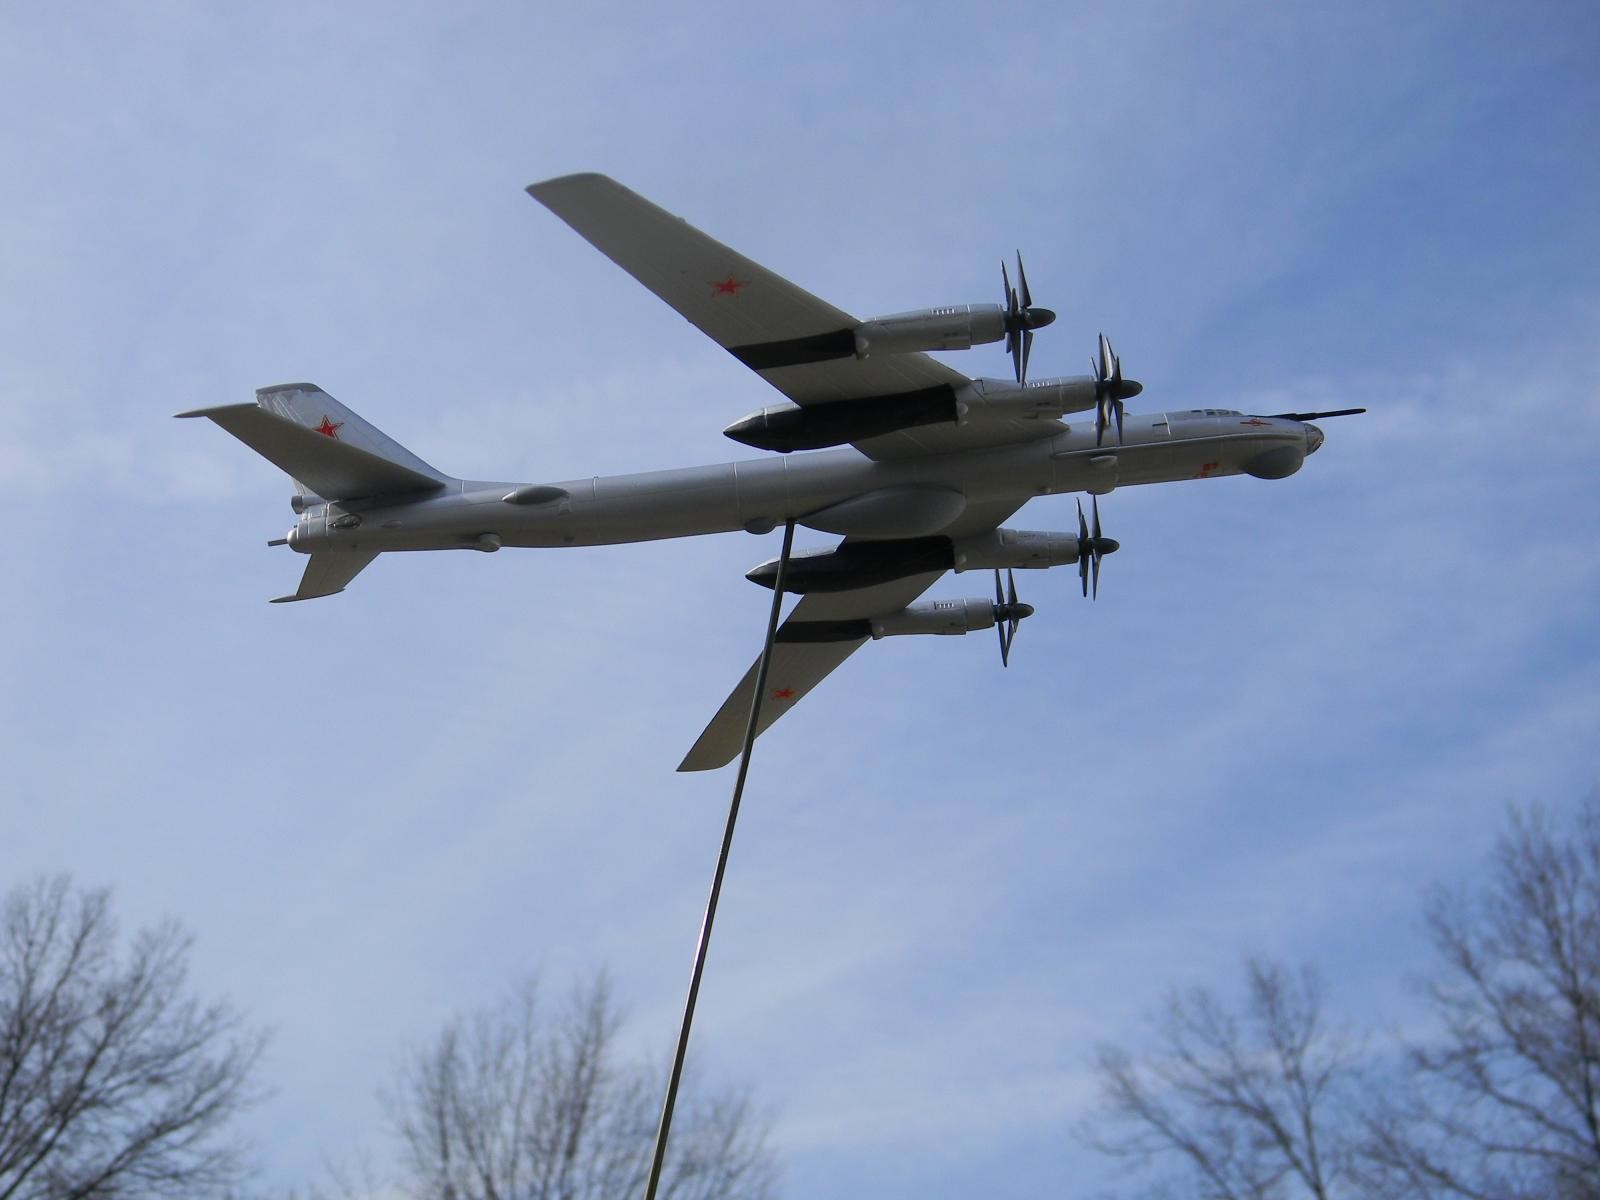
[
  {"x": 1206, "y": 469},
  {"x": 1255, "y": 421},
  {"x": 330, "y": 428}
]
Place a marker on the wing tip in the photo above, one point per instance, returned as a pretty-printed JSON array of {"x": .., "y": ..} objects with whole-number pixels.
[
  {"x": 585, "y": 178},
  {"x": 212, "y": 410},
  {"x": 703, "y": 758},
  {"x": 297, "y": 597}
]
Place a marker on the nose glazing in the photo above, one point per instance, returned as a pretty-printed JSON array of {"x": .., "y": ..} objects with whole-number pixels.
[{"x": 1313, "y": 439}]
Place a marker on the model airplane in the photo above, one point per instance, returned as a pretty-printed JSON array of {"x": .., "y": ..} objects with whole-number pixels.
[{"x": 931, "y": 462}]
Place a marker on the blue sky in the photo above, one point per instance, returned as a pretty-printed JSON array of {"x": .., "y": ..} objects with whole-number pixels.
[{"x": 1294, "y": 706}]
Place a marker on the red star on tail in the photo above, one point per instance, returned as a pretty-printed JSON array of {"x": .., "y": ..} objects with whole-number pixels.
[
  {"x": 727, "y": 287},
  {"x": 329, "y": 428}
]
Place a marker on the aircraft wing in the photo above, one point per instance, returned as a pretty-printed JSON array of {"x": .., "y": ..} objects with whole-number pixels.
[
  {"x": 800, "y": 344},
  {"x": 799, "y": 665}
]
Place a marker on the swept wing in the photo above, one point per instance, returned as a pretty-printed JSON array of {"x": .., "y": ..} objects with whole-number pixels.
[
  {"x": 800, "y": 344},
  {"x": 798, "y": 666}
]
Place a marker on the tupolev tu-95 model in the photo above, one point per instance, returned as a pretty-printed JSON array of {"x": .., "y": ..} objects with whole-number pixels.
[{"x": 926, "y": 463}]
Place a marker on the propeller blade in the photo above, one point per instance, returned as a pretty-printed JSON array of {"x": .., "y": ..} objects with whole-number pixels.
[
  {"x": 1093, "y": 545},
  {"x": 1021, "y": 318},
  {"x": 1109, "y": 390},
  {"x": 1099, "y": 401},
  {"x": 1008, "y": 613}
]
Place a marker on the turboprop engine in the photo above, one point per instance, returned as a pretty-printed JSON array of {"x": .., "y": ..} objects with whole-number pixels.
[
  {"x": 859, "y": 564},
  {"x": 786, "y": 427},
  {"x": 960, "y": 326},
  {"x": 956, "y": 327},
  {"x": 942, "y": 618}
]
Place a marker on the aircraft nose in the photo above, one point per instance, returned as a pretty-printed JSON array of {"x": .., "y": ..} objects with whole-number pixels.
[{"x": 1313, "y": 439}]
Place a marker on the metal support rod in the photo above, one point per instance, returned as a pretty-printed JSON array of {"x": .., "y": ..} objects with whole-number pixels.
[{"x": 704, "y": 942}]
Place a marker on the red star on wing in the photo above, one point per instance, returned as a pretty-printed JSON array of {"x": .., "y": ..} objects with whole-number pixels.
[
  {"x": 329, "y": 428},
  {"x": 728, "y": 287},
  {"x": 783, "y": 694}
]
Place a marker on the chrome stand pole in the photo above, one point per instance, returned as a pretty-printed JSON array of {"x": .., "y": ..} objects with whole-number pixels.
[{"x": 704, "y": 942}]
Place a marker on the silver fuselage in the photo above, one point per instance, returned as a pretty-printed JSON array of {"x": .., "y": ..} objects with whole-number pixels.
[{"x": 758, "y": 493}]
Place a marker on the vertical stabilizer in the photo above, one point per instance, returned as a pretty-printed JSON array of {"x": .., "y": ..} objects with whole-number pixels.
[{"x": 308, "y": 405}]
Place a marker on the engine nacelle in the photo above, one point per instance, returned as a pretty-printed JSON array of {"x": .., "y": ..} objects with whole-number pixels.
[
  {"x": 1018, "y": 549},
  {"x": 954, "y": 327},
  {"x": 852, "y": 565},
  {"x": 786, "y": 427},
  {"x": 1038, "y": 399},
  {"x": 941, "y": 617},
  {"x": 938, "y": 617}
]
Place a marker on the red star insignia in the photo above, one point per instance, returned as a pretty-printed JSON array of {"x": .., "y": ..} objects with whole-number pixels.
[
  {"x": 1255, "y": 421},
  {"x": 329, "y": 428},
  {"x": 728, "y": 287},
  {"x": 783, "y": 694}
]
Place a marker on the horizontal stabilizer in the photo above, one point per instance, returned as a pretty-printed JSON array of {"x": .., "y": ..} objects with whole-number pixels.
[
  {"x": 333, "y": 469},
  {"x": 329, "y": 572}
]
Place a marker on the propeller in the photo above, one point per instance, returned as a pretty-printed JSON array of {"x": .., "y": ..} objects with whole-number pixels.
[
  {"x": 1008, "y": 612},
  {"x": 1091, "y": 549},
  {"x": 1021, "y": 319},
  {"x": 1110, "y": 390}
]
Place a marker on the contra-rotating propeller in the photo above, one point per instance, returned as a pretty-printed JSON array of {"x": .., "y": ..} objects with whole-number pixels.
[
  {"x": 1008, "y": 612},
  {"x": 1110, "y": 390},
  {"x": 1022, "y": 318},
  {"x": 1091, "y": 549}
]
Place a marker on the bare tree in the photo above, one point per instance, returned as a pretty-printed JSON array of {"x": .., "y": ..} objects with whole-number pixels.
[
  {"x": 113, "y": 1080},
  {"x": 510, "y": 1105},
  {"x": 1246, "y": 1105},
  {"x": 1505, "y": 1103}
]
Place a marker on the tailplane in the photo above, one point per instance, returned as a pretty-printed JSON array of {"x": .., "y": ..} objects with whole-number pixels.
[
  {"x": 331, "y": 455},
  {"x": 328, "y": 573}
]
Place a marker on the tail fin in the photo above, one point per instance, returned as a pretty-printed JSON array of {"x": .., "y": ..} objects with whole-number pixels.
[{"x": 325, "y": 448}]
